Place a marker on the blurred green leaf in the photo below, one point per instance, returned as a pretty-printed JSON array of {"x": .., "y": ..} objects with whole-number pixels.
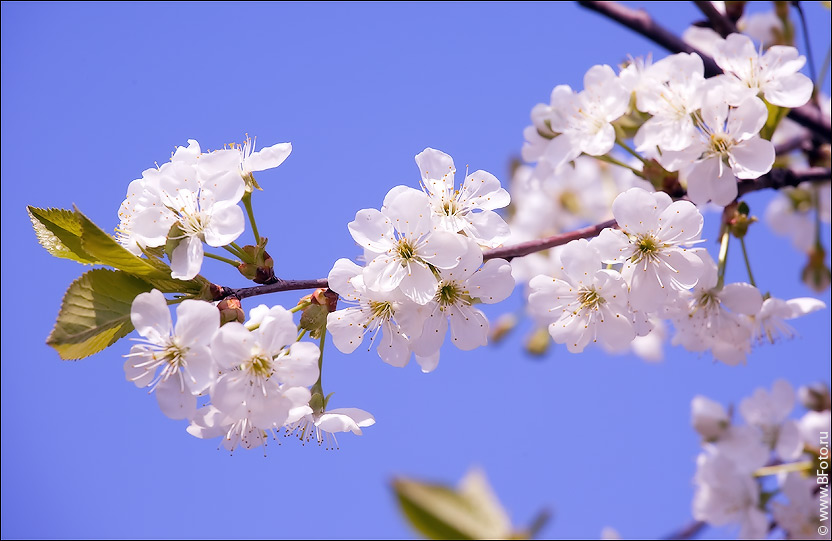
[{"x": 471, "y": 511}]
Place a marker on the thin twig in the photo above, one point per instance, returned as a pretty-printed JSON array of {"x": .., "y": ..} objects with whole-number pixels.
[
  {"x": 809, "y": 115},
  {"x": 719, "y": 22},
  {"x": 688, "y": 531}
]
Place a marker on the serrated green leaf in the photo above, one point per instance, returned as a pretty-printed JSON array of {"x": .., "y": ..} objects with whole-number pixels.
[
  {"x": 59, "y": 232},
  {"x": 109, "y": 252},
  {"x": 439, "y": 512},
  {"x": 95, "y": 312}
]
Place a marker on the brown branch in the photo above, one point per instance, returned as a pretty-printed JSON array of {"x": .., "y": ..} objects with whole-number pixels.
[
  {"x": 809, "y": 115},
  {"x": 688, "y": 531},
  {"x": 719, "y": 22},
  {"x": 781, "y": 178},
  {"x": 538, "y": 245},
  {"x": 776, "y": 179}
]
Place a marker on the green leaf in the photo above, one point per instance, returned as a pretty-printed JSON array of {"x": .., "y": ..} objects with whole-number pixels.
[
  {"x": 95, "y": 312},
  {"x": 109, "y": 252},
  {"x": 440, "y": 512},
  {"x": 59, "y": 232}
]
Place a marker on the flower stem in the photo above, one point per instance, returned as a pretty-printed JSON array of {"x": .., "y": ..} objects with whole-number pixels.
[
  {"x": 610, "y": 159},
  {"x": 783, "y": 468},
  {"x": 236, "y": 252},
  {"x": 231, "y": 262},
  {"x": 301, "y": 334},
  {"x": 250, "y": 211},
  {"x": 300, "y": 306},
  {"x": 824, "y": 69},
  {"x": 723, "y": 256},
  {"x": 747, "y": 263},
  {"x": 629, "y": 150}
]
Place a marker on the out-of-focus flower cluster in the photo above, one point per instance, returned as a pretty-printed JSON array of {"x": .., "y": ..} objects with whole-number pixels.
[
  {"x": 692, "y": 137},
  {"x": 767, "y": 474}
]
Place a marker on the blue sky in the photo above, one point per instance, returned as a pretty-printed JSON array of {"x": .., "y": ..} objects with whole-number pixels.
[{"x": 94, "y": 93}]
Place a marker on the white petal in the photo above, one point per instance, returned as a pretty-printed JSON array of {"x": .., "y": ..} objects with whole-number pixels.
[
  {"x": 232, "y": 345},
  {"x": 469, "y": 327},
  {"x": 151, "y": 317},
  {"x": 493, "y": 282},
  {"x": 269, "y": 157},
  {"x": 752, "y": 158},
  {"x": 186, "y": 259},
  {"x": 483, "y": 190},
  {"x": 196, "y": 322},
  {"x": 442, "y": 249},
  {"x": 436, "y": 165},
  {"x": 433, "y": 333},
  {"x": 174, "y": 401},
  {"x": 347, "y": 328},
  {"x": 418, "y": 283},
  {"x": 226, "y": 224},
  {"x": 487, "y": 228},
  {"x": 393, "y": 346},
  {"x": 742, "y": 298},
  {"x": 300, "y": 366},
  {"x": 372, "y": 230}
]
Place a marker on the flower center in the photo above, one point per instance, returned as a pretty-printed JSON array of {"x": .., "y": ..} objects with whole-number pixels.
[
  {"x": 647, "y": 247},
  {"x": 721, "y": 144},
  {"x": 259, "y": 366},
  {"x": 590, "y": 298},
  {"x": 382, "y": 310},
  {"x": 448, "y": 293},
  {"x": 405, "y": 249},
  {"x": 173, "y": 355}
]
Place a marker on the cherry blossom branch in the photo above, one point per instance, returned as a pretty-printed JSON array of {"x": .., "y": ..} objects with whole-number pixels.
[
  {"x": 720, "y": 22},
  {"x": 809, "y": 115},
  {"x": 538, "y": 245},
  {"x": 776, "y": 179}
]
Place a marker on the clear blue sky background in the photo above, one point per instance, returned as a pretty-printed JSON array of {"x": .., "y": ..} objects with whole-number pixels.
[{"x": 94, "y": 93}]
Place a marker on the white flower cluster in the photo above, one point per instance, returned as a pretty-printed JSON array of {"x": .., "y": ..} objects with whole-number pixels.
[
  {"x": 256, "y": 376},
  {"x": 760, "y": 475},
  {"x": 707, "y": 130},
  {"x": 424, "y": 266},
  {"x": 617, "y": 286},
  {"x": 191, "y": 200}
]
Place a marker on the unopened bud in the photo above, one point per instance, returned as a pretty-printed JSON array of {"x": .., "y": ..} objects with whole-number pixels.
[
  {"x": 231, "y": 310},
  {"x": 815, "y": 397},
  {"x": 261, "y": 271},
  {"x": 816, "y": 274},
  {"x": 504, "y": 325},
  {"x": 738, "y": 219},
  {"x": 539, "y": 341},
  {"x": 313, "y": 318},
  {"x": 325, "y": 297}
]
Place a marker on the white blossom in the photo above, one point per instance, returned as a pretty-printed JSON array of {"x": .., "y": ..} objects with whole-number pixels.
[
  {"x": 588, "y": 305},
  {"x": 470, "y": 209},
  {"x": 404, "y": 245},
  {"x": 774, "y": 74},
  {"x": 175, "y": 362},
  {"x": 653, "y": 244}
]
